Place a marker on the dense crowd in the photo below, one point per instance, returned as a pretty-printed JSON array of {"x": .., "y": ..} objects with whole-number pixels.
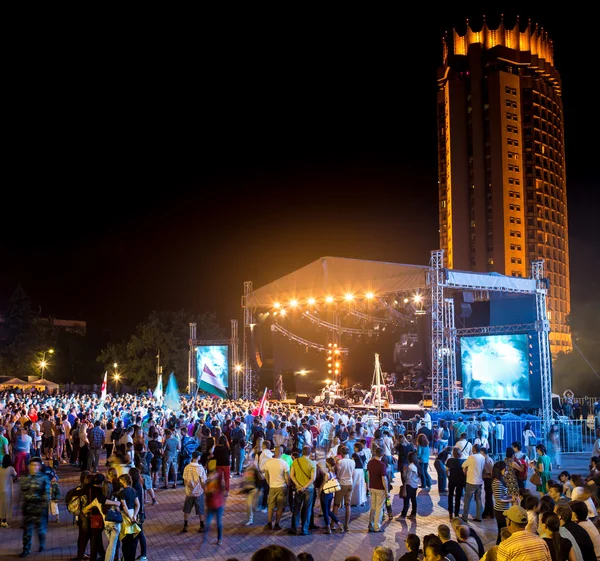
[{"x": 306, "y": 460}]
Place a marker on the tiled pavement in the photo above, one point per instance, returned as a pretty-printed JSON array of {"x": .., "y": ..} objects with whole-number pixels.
[{"x": 164, "y": 520}]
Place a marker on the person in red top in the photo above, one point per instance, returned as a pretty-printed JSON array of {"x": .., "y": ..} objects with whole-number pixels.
[{"x": 379, "y": 488}]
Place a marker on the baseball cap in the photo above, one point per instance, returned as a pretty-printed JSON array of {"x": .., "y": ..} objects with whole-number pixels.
[{"x": 516, "y": 514}]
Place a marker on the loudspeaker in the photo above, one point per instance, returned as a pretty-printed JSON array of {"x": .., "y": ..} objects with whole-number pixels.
[
  {"x": 302, "y": 398},
  {"x": 341, "y": 402},
  {"x": 465, "y": 310}
]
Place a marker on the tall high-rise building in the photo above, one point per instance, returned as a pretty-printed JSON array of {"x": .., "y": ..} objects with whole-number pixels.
[{"x": 501, "y": 160}]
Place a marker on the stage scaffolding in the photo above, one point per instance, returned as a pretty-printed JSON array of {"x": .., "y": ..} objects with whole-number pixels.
[{"x": 441, "y": 284}]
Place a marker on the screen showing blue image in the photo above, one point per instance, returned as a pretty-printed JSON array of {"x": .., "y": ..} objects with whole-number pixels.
[
  {"x": 495, "y": 367},
  {"x": 215, "y": 358}
]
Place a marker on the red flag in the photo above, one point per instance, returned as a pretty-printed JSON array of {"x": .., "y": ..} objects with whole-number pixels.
[{"x": 262, "y": 406}]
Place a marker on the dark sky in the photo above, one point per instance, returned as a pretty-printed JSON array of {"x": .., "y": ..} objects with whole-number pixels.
[{"x": 161, "y": 166}]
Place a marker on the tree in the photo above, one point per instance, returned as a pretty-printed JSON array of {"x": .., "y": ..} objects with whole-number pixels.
[
  {"x": 165, "y": 332},
  {"x": 26, "y": 335}
]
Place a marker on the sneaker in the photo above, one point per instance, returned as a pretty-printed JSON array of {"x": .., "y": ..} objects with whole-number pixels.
[
  {"x": 327, "y": 530},
  {"x": 219, "y": 542},
  {"x": 184, "y": 530},
  {"x": 277, "y": 527},
  {"x": 249, "y": 523},
  {"x": 268, "y": 526},
  {"x": 24, "y": 553},
  {"x": 265, "y": 510},
  {"x": 201, "y": 530},
  {"x": 143, "y": 558}
]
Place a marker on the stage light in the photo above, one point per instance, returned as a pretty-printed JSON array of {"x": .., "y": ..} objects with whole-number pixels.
[
  {"x": 311, "y": 301},
  {"x": 417, "y": 298},
  {"x": 238, "y": 367},
  {"x": 330, "y": 344},
  {"x": 337, "y": 371},
  {"x": 302, "y": 372},
  {"x": 337, "y": 352},
  {"x": 337, "y": 364},
  {"x": 348, "y": 297},
  {"x": 329, "y": 299},
  {"x": 328, "y": 381},
  {"x": 282, "y": 312},
  {"x": 277, "y": 305},
  {"x": 335, "y": 344},
  {"x": 406, "y": 300},
  {"x": 293, "y": 303},
  {"x": 370, "y": 295},
  {"x": 329, "y": 372}
]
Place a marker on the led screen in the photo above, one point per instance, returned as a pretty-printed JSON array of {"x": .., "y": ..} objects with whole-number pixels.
[
  {"x": 215, "y": 358},
  {"x": 495, "y": 367}
]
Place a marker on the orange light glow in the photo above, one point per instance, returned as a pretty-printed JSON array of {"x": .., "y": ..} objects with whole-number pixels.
[
  {"x": 282, "y": 312},
  {"x": 370, "y": 295},
  {"x": 311, "y": 301},
  {"x": 329, "y": 299},
  {"x": 277, "y": 305},
  {"x": 348, "y": 297},
  {"x": 293, "y": 303}
]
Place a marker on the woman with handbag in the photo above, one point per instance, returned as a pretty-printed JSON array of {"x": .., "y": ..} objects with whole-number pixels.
[
  {"x": 136, "y": 484},
  {"x": 411, "y": 484},
  {"x": 330, "y": 486},
  {"x": 130, "y": 507},
  {"x": 541, "y": 470}
]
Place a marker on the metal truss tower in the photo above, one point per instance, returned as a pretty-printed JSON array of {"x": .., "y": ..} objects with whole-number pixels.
[
  {"x": 449, "y": 378},
  {"x": 248, "y": 327},
  {"x": 192, "y": 380},
  {"x": 543, "y": 330},
  {"x": 235, "y": 359},
  {"x": 435, "y": 280}
]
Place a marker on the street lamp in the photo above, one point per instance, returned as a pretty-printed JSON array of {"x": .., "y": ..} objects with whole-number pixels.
[
  {"x": 116, "y": 378},
  {"x": 43, "y": 362}
]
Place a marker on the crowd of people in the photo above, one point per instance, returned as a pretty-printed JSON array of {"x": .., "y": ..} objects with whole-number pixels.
[{"x": 315, "y": 461}]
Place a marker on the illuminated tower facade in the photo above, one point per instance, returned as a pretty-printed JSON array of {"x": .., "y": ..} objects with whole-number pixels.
[{"x": 501, "y": 160}]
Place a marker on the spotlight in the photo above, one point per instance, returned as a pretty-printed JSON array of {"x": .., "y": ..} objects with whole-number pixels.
[
  {"x": 406, "y": 300},
  {"x": 348, "y": 297},
  {"x": 282, "y": 313},
  {"x": 311, "y": 301},
  {"x": 369, "y": 295},
  {"x": 329, "y": 299},
  {"x": 293, "y": 303},
  {"x": 417, "y": 298},
  {"x": 277, "y": 305}
]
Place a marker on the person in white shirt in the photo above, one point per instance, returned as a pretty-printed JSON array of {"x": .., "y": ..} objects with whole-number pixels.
[
  {"x": 265, "y": 455},
  {"x": 473, "y": 468},
  {"x": 194, "y": 480},
  {"x": 277, "y": 473},
  {"x": 344, "y": 470},
  {"x": 427, "y": 419},
  {"x": 580, "y": 493},
  {"x": 464, "y": 446}
]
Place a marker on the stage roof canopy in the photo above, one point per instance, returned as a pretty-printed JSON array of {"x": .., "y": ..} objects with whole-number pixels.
[{"x": 338, "y": 276}]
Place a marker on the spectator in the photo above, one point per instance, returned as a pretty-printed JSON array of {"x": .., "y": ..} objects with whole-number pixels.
[
  {"x": 274, "y": 553},
  {"x": 7, "y": 476},
  {"x": 502, "y": 500},
  {"x": 580, "y": 515},
  {"x": 578, "y": 537},
  {"x": 473, "y": 468},
  {"x": 413, "y": 553},
  {"x": 456, "y": 482},
  {"x": 581, "y": 493},
  {"x": 345, "y": 473},
  {"x": 378, "y": 486},
  {"x": 194, "y": 481},
  {"x": 449, "y": 546},
  {"x": 382, "y": 553},
  {"x": 549, "y": 530},
  {"x": 467, "y": 543},
  {"x": 521, "y": 544},
  {"x": 277, "y": 475},
  {"x": 411, "y": 483}
]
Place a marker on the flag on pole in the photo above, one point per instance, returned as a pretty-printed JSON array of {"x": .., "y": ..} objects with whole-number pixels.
[
  {"x": 158, "y": 392},
  {"x": 262, "y": 406},
  {"x": 211, "y": 384},
  {"x": 103, "y": 391},
  {"x": 172, "y": 395}
]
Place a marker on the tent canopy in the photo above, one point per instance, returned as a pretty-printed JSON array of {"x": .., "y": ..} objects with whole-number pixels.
[
  {"x": 43, "y": 383},
  {"x": 13, "y": 382},
  {"x": 337, "y": 276}
]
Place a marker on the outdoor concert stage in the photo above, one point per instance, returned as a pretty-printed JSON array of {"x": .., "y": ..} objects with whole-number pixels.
[{"x": 487, "y": 334}]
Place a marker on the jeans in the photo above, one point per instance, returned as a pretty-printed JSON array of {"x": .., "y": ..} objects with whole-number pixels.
[
  {"x": 326, "y": 508},
  {"x": 377, "y": 504},
  {"x": 440, "y": 468},
  {"x": 302, "y": 506},
  {"x": 93, "y": 459},
  {"x": 425, "y": 479},
  {"x": 169, "y": 464},
  {"x": 411, "y": 498},
  {"x": 265, "y": 496},
  {"x": 455, "y": 493},
  {"x": 251, "y": 503},
  {"x": 219, "y": 514},
  {"x": 239, "y": 454},
  {"x": 111, "y": 529},
  {"x": 470, "y": 490},
  {"x": 142, "y": 540}
]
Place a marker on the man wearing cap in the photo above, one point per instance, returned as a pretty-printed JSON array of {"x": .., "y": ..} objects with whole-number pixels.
[
  {"x": 194, "y": 480},
  {"x": 522, "y": 545}
]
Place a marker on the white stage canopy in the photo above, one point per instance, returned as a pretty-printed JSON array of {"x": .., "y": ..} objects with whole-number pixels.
[{"x": 338, "y": 276}]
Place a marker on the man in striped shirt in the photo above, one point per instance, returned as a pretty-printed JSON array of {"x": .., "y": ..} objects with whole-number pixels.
[{"x": 522, "y": 545}]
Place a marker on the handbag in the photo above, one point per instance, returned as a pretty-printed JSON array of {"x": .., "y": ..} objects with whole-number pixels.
[
  {"x": 96, "y": 522},
  {"x": 533, "y": 441},
  {"x": 331, "y": 486},
  {"x": 114, "y": 515},
  {"x": 402, "y": 493},
  {"x": 535, "y": 479}
]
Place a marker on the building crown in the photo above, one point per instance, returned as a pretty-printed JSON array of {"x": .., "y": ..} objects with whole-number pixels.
[{"x": 533, "y": 40}]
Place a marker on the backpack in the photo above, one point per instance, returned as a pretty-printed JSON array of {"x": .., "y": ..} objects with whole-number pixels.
[
  {"x": 189, "y": 446},
  {"x": 445, "y": 434},
  {"x": 522, "y": 474},
  {"x": 76, "y": 501}
]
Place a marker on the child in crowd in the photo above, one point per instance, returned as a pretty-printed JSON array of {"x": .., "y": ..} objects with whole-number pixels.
[{"x": 54, "y": 498}]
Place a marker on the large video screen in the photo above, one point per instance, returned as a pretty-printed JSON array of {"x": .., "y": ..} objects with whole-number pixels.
[
  {"x": 216, "y": 359},
  {"x": 495, "y": 367}
]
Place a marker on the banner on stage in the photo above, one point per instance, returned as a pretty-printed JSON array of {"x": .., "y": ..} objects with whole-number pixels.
[{"x": 216, "y": 358}]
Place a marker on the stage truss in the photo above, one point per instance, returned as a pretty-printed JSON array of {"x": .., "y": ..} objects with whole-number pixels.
[{"x": 441, "y": 283}]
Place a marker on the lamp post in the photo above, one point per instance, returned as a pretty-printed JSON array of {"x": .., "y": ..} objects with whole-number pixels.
[{"x": 43, "y": 362}]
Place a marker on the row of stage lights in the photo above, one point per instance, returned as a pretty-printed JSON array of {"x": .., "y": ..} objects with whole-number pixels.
[{"x": 348, "y": 297}]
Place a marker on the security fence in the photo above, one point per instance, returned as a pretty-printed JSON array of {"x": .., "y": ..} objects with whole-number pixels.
[{"x": 570, "y": 435}]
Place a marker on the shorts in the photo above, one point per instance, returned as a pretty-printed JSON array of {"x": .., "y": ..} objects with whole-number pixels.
[
  {"x": 194, "y": 502},
  {"x": 277, "y": 497},
  {"x": 147, "y": 481},
  {"x": 48, "y": 442},
  {"x": 344, "y": 494}
]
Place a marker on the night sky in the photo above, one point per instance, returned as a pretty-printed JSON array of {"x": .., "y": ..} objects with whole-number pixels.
[{"x": 162, "y": 168}]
